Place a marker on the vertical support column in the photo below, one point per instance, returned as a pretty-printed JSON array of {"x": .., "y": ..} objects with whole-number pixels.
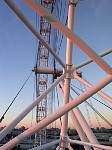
[{"x": 68, "y": 75}]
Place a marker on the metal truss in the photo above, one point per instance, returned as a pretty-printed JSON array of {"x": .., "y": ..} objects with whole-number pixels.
[
  {"x": 69, "y": 105},
  {"x": 42, "y": 79}
]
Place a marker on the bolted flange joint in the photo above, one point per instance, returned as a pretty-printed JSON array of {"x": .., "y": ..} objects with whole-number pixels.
[
  {"x": 73, "y": 2},
  {"x": 64, "y": 142},
  {"x": 68, "y": 71}
]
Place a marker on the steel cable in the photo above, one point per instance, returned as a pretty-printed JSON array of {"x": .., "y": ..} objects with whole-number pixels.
[
  {"x": 15, "y": 97},
  {"x": 94, "y": 109},
  {"x": 94, "y": 98}
]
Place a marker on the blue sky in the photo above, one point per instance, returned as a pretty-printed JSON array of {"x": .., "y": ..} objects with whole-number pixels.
[{"x": 93, "y": 23}]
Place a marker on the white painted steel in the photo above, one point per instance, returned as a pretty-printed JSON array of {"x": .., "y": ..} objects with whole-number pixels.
[
  {"x": 84, "y": 96},
  {"x": 10, "y": 126},
  {"x": 72, "y": 36},
  {"x": 47, "y": 145},
  {"x": 67, "y": 107},
  {"x": 80, "y": 128},
  {"x": 32, "y": 29},
  {"x": 108, "y": 51},
  {"x": 85, "y": 127},
  {"x": 102, "y": 94},
  {"x": 45, "y": 70},
  {"x": 58, "y": 148},
  {"x": 69, "y": 48},
  {"x": 103, "y": 147},
  {"x": 50, "y": 70}
]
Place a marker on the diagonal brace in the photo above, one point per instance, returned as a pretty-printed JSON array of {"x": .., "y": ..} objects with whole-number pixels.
[
  {"x": 83, "y": 97},
  {"x": 72, "y": 36}
]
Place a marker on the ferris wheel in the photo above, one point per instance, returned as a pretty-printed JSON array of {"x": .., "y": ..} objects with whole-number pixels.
[{"x": 63, "y": 77}]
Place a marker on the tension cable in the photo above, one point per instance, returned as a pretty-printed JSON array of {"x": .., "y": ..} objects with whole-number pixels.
[
  {"x": 94, "y": 109},
  {"x": 15, "y": 98},
  {"x": 94, "y": 98}
]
